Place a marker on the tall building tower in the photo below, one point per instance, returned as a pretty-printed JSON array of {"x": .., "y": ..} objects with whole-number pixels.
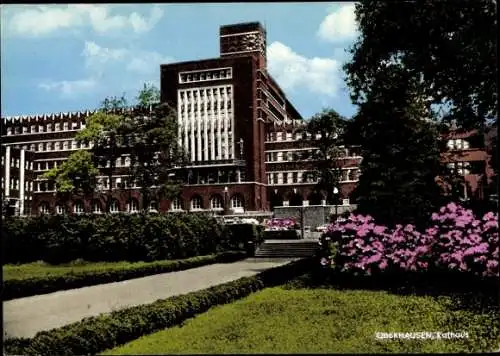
[{"x": 244, "y": 39}]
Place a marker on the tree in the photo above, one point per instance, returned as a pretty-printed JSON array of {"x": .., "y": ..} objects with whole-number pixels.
[
  {"x": 75, "y": 176},
  {"x": 326, "y": 159},
  {"x": 146, "y": 132},
  {"x": 400, "y": 150},
  {"x": 449, "y": 47}
]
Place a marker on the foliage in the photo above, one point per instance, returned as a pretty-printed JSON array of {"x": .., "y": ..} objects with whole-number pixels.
[
  {"x": 36, "y": 280},
  {"x": 450, "y": 50},
  {"x": 400, "y": 150},
  {"x": 282, "y": 235},
  {"x": 281, "y": 224},
  {"x": 457, "y": 242},
  {"x": 76, "y": 175},
  {"x": 310, "y": 321},
  {"x": 96, "y": 334},
  {"x": 326, "y": 165},
  {"x": 118, "y": 237}
]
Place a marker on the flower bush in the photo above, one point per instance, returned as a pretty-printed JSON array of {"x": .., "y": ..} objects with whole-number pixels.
[
  {"x": 457, "y": 241},
  {"x": 280, "y": 224}
]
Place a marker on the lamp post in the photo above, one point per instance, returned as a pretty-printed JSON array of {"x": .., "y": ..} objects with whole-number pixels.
[
  {"x": 226, "y": 192},
  {"x": 335, "y": 201}
]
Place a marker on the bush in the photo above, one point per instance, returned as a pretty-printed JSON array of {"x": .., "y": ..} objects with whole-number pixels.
[
  {"x": 281, "y": 235},
  {"x": 96, "y": 334},
  {"x": 457, "y": 242},
  {"x": 20, "y": 288},
  {"x": 119, "y": 237}
]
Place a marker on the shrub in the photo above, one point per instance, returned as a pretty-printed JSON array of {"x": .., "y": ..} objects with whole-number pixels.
[
  {"x": 457, "y": 242},
  {"x": 96, "y": 334},
  {"x": 281, "y": 235},
  {"x": 119, "y": 237}
]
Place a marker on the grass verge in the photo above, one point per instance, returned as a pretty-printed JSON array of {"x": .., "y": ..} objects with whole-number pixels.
[
  {"x": 96, "y": 334},
  {"x": 40, "y": 278},
  {"x": 289, "y": 320}
]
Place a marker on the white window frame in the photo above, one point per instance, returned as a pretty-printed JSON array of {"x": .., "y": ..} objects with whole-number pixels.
[
  {"x": 153, "y": 207},
  {"x": 65, "y": 126},
  {"x": 216, "y": 203},
  {"x": 176, "y": 205},
  {"x": 196, "y": 203},
  {"x": 78, "y": 207},
  {"x": 132, "y": 206},
  {"x": 236, "y": 202},
  {"x": 44, "y": 208},
  {"x": 59, "y": 209},
  {"x": 96, "y": 207},
  {"x": 114, "y": 207}
]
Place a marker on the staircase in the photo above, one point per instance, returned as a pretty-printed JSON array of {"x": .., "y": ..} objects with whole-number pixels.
[{"x": 287, "y": 248}]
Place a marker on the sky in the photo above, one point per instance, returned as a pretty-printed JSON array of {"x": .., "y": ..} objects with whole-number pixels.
[{"x": 59, "y": 58}]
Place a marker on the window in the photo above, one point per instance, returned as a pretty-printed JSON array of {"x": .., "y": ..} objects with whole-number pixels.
[
  {"x": 32, "y": 147},
  {"x": 295, "y": 178},
  {"x": 196, "y": 203},
  {"x": 285, "y": 177},
  {"x": 114, "y": 207},
  {"x": 44, "y": 208},
  {"x": 25, "y": 129},
  {"x": 289, "y": 136},
  {"x": 216, "y": 203},
  {"x": 40, "y": 147},
  {"x": 65, "y": 126},
  {"x": 279, "y": 136},
  {"x": 118, "y": 183},
  {"x": 25, "y": 147},
  {"x": 176, "y": 204},
  {"x": 49, "y": 127},
  {"x": 74, "y": 145},
  {"x": 57, "y": 126},
  {"x": 280, "y": 156},
  {"x": 65, "y": 145},
  {"x": 17, "y": 184},
  {"x": 33, "y": 128},
  {"x": 9, "y": 131},
  {"x": 59, "y": 209},
  {"x": 40, "y": 128},
  {"x": 237, "y": 202},
  {"x": 17, "y": 162},
  {"x": 153, "y": 207},
  {"x": 96, "y": 207},
  {"x": 133, "y": 206}
]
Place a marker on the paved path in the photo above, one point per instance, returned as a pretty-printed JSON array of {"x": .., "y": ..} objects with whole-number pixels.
[{"x": 24, "y": 317}]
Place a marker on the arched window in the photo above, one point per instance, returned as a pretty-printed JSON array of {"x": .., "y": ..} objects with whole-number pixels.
[
  {"x": 133, "y": 206},
  {"x": 216, "y": 203},
  {"x": 114, "y": 207},
  {"x": 237, "y": 202},
  {"x": 60, "y": 209},
  {"x": 96, "y": 207},
  {"x": 44, "y": 208},
  {"x": 176, "y": 204},
  {"x": 78, "y": 207},
  {"x": 153, "y": 207},
  {"x": 196, "y": 203}
]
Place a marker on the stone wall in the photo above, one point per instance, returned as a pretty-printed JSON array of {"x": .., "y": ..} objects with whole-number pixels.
[{"x": 314, "y": 215}]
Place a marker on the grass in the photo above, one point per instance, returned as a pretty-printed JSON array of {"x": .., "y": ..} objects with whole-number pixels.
[
  {"x": 284, "y": 320},
  {"x": 43, "y": 269}
]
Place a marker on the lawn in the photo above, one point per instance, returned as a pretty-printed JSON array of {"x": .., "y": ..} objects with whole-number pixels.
[{"x": 283, "y": 320}]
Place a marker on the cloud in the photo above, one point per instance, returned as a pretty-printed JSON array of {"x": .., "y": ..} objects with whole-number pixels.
[
  {"x": 97, "y": 58},
  {"x": 293, "y": 71},
  {"x": 339, "y": 25},
  {"x": 44, "y": 20},
  {"x": 69, "y": 88}
]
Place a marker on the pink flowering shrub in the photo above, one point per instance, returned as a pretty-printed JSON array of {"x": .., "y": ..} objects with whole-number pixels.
[
  {"x": 280, "y": 224},
  {"x": 457, "y": 241}
]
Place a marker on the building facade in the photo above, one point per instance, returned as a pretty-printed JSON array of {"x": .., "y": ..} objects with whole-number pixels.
[{"x": 244, "y": 139}]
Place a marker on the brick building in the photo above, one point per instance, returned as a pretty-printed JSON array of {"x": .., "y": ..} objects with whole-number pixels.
[{"x": 243, "y": 136}]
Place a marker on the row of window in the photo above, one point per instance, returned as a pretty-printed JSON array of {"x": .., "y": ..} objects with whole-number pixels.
[
  {"x": 15, "y": 163},
  {"x": 54, "y": 146},
  {"x": 195, "y": 107},
  {"x": 201, "y": 76},
  {"x": 290, "y": 136},
  {"x": 196, "y": 203},
  {"x": 295, "y": 155},
  {"x": 348, "y": 175},
  {"x": 462, "y": 168},
  {"x": 206, "y": 124},
  {"x": 216, "y": 92},
  {"x": 49, "y": 127},
  {"x": 458, "y": 144}
]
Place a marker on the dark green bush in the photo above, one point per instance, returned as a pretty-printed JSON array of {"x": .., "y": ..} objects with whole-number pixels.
[
  {"x": 120, "y": 237},
  {"x": 96, "y": 334},
  {"x": 20, "y": 288}
]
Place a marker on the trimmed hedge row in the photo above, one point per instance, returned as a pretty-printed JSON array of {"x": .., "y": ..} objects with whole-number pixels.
[
  {"x": 120, "y": 237},
  {"x": 282, "y": 235},
  {"x": 19, "y": 288},
  {"x": 96, "y": 334}
]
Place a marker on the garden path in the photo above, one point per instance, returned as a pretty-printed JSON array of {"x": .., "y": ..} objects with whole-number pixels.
[{"x": 24, "y": 317}]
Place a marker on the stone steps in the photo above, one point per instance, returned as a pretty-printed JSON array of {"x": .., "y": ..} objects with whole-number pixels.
[{"x": 289, "y": 248}]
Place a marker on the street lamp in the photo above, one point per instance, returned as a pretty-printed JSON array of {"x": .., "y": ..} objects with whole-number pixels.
[
  {"x": 226, "y": 192},
  {"x": 335, "y": 194}
]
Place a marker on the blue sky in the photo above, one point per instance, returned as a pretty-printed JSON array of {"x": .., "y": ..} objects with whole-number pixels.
[{"x": 70, "y": 57}]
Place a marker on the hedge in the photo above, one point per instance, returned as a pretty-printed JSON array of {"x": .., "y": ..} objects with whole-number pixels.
[
  {"x": 281, "y": 235},
  {"x": 119, "y": 237},
  {"x": 20, "y": 288},
  {"x": 96, "y": 334}
]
